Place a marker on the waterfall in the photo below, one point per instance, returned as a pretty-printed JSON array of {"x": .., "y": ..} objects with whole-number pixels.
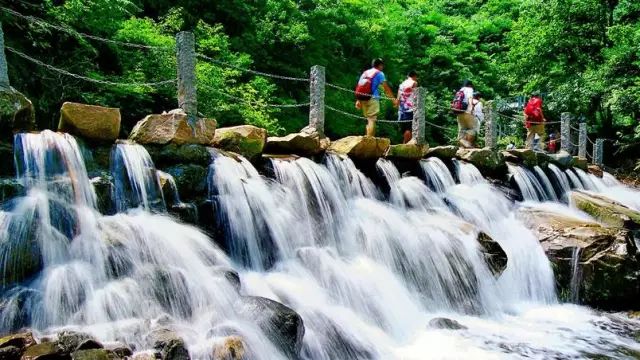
[
  {"x": 366, "y": 274},
  {"x": 574, "y": 180},
  {"x": 437, "y": 174},
  {"x": 561, "y": 179},
  {"x": 576, "y": 276},
  {"x": 546, "y": 183},
  {"x": 528, "y": 183},
  {"x": 468, "y": 173},
  {"x": 136, "y": 179}
]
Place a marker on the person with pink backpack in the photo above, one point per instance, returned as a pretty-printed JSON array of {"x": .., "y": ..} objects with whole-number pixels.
[{"x": 368, "y": 94}]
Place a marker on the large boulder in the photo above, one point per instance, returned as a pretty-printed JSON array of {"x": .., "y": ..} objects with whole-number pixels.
[
  {"x": 493, "y": 253},
  {"x": 19, "y": 340},
  {"x": 360, "y": 147},
  {"x": 281, "y": 324},
  {"x": 484, "y": 159},
  {"x": 442, "y": 152},
  {"x": 16, "y": 113},
  {"x": 90, "y": 121},
  {"x": 70, "y": 341},
  {"x": 525, "y": 156},
  {"x": 168, "y": 344},
  {"x": 246, "y": 140},
  {"x": 594, "y": 265},
  {"x": 306, "y": 143},
  {"x": 561, "y": 158},
  {"x": 44, "y": 351},
  {"x": 173, "y": 128},
  {"x": 407, "y": 151},
  {"x": 605, "y": 210}
]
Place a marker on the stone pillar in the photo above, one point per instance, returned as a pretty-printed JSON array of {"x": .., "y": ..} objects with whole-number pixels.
[
  {"x": 598, "y": 152},
  {"x": 491, "y": 129},
  {"x": 4, "y": 74},
  {"x": 316, "y": 109},
  {"x": 582, "y": 141},
  {"x": 186, "y": 56},
  {"x": 565, "y": 132},
  {"x": 418, "y": 127}
]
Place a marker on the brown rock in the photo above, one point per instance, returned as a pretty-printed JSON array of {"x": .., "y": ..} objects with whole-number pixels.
[
  {"x": 297, "y": 143},
  {"x": 442, "y": 152},
  {"x": 407, "y": 151},
  {"x": 90, "y": 121},
  {"x": 231, "y": 348},
  {"x": 595, "y": 170},
  {"x": 605, "y": 210},
  {"x": 44, "y": 351},
  {"x": 360, "y": 147},
  {"x": 20, "y": 340},
  {"x": 246, "y": 140},
  {"x": 173, "y": 128},
  {"x": 580, "y": 163}
]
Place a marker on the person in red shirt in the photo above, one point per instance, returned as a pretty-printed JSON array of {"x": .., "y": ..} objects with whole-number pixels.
[{"x": 534, "y": 120}]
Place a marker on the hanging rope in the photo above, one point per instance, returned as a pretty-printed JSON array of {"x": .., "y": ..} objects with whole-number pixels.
[
  {"x": 356, "y": 93},
  {"x": 81, "y": 34},
  {"x": 255, "y": 72},
  {"x": 364, "y": 118},
  {"x": 88, "y": 79}
]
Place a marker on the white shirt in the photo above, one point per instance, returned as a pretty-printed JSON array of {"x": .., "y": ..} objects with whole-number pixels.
[
  {"x": 468, "y": 95},
  {"x": 478, "y": 111}
]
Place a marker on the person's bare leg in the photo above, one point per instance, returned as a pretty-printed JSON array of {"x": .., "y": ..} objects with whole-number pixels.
[
  {"x": 371, "y": 126},
  {"x": 530, "y": 136},
  {"x": 406, "y": 137}
]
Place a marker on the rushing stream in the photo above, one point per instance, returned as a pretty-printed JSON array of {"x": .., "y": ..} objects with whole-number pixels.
[{"x": 367, "y": 270}]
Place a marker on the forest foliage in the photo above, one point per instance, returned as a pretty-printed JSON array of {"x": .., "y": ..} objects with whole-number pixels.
[{"x": 582, "y": 54}]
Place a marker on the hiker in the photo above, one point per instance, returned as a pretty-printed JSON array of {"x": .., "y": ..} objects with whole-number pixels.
[
  {"x": 534, "y": 121},
  {"x": 407, "y": 100},
  {"x": 478, "y": 111},
  {"x": 368, "y": 94},
  {"x": 462, "y": 106},
  {"x": 553, "y": 143}
]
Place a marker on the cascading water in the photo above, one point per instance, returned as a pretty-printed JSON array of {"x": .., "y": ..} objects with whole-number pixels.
[
  {"x": 546, "y": 183},
  {"x": 468, "y": 173},
  {"x": 561, "y": 180},
  {"x": 437, "y": 174},
  {"x": 575, "y": 275},
  {"x": 366, "y": 275},
  {"x": 528, "y": 183},
  {"x": 574, "y": 180},
  {"x": 136, "y": 179}
]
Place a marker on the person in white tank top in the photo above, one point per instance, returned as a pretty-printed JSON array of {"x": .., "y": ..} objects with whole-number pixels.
[{"x": 407, "y": 103}]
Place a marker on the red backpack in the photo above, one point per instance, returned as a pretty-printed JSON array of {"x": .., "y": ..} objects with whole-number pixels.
[
  {"x": 533, "y": 110},
  {"x": 459, "y": 103},
  {"x": 364, "y": 89}
]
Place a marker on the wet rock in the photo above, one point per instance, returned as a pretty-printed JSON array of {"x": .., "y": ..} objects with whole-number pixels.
[
  {"x": 7, "y": 167},
  {"x": 10, "y": 353},
  {"x": 605, "y": 210},
  {"x": 442, "y": 152},
  {"x": 280, "y": 323},
  {"x": 119, "y": 349},
  {"x": 230, "y": 348},
  {"x": 230, "y": 275},
  {"x": 169, "y": 344},
  {"x": 509, "y": 157},
  {"x": 19, "y": 340},
  {"x": 70, "y": 341},
  {"x": 103, "y": 186},
  {"x": 494, "y": 254},
  {"x": 191, "y": 180},
  {"x": 445, "y": 323},
  {"x": 525, "y": 156},
  {"x": 608, "y": 272},
  {"x": 595, "y": 170},
  {"x": 360, "y": 147},
  {"x": 246, "y": 140},
  {"x": 561, "y": 158},
  {"x": 10, "y": 188},
  {"x": 44, "y": 351},
  {"x": 542, "y": 158},
  {"x": 172, "y": 154},
  {"x": 170, "y": 289},
  {"x": 185, "y": 212},
  {"x": 580, "y": 163},
  {"x": 173, "y": 128},
  {"x": 304, "y": 143},
  {"x": 407, "y": 151},
  {"x": 484, "y": 159},
  {"x": 16, "y": 113},
  {"x": 20, "y": 256},
  {"x": 145, "y": 356},
  {"x": 90, "y": 121},
  {"x": 91, "y": 354}
]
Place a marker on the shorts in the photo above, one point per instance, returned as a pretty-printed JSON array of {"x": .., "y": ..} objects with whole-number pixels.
[
  {"x": 405, "y": 125},
  {"x": 370, "y": 108},
  {"x": 467, "y": 126}
]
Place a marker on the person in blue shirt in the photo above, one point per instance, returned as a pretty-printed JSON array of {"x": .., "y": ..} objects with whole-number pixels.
[{"x": 370, "y": 104}]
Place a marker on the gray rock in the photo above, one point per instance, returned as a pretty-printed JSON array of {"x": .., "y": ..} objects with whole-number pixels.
[{"x": 444, "y": 323}]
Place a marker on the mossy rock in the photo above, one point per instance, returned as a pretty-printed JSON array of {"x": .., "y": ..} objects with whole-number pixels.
[
  {"x": 19, "y": 340},
  {"x": 44, "y": 351},
  {"x": 92, "y": 354},
  {"x": 16, "y": 113},
  {"x": 442, "y": 152},
  {"x": 580, "y": 163},
  {"x": 606, "y": 210},
  {"x": 191, "y": 180},
  {"x": 7, "y": 167},
  {"x": 173, "y": 154},
  {"x": 527, "y": 157},
  {"x": 484, "y": 159},
  {"x": 246, "y": 140},
  {"x": 10, "y": 188},
  {"x": 407, "y": 151}
]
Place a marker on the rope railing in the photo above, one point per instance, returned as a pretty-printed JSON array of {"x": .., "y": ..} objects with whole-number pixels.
[
  {"x": 344, "y": 89},
  {"x": 88, "y": 79},
  {"x": 254, "y": 103},
  {"x": 364, "y": 118},
  {"x": 255, "y": 72},
  {"x": 71, "y": 31}
]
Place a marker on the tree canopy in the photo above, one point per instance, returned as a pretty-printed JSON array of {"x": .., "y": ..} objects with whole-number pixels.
[{"x": 582, "y": 54}]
